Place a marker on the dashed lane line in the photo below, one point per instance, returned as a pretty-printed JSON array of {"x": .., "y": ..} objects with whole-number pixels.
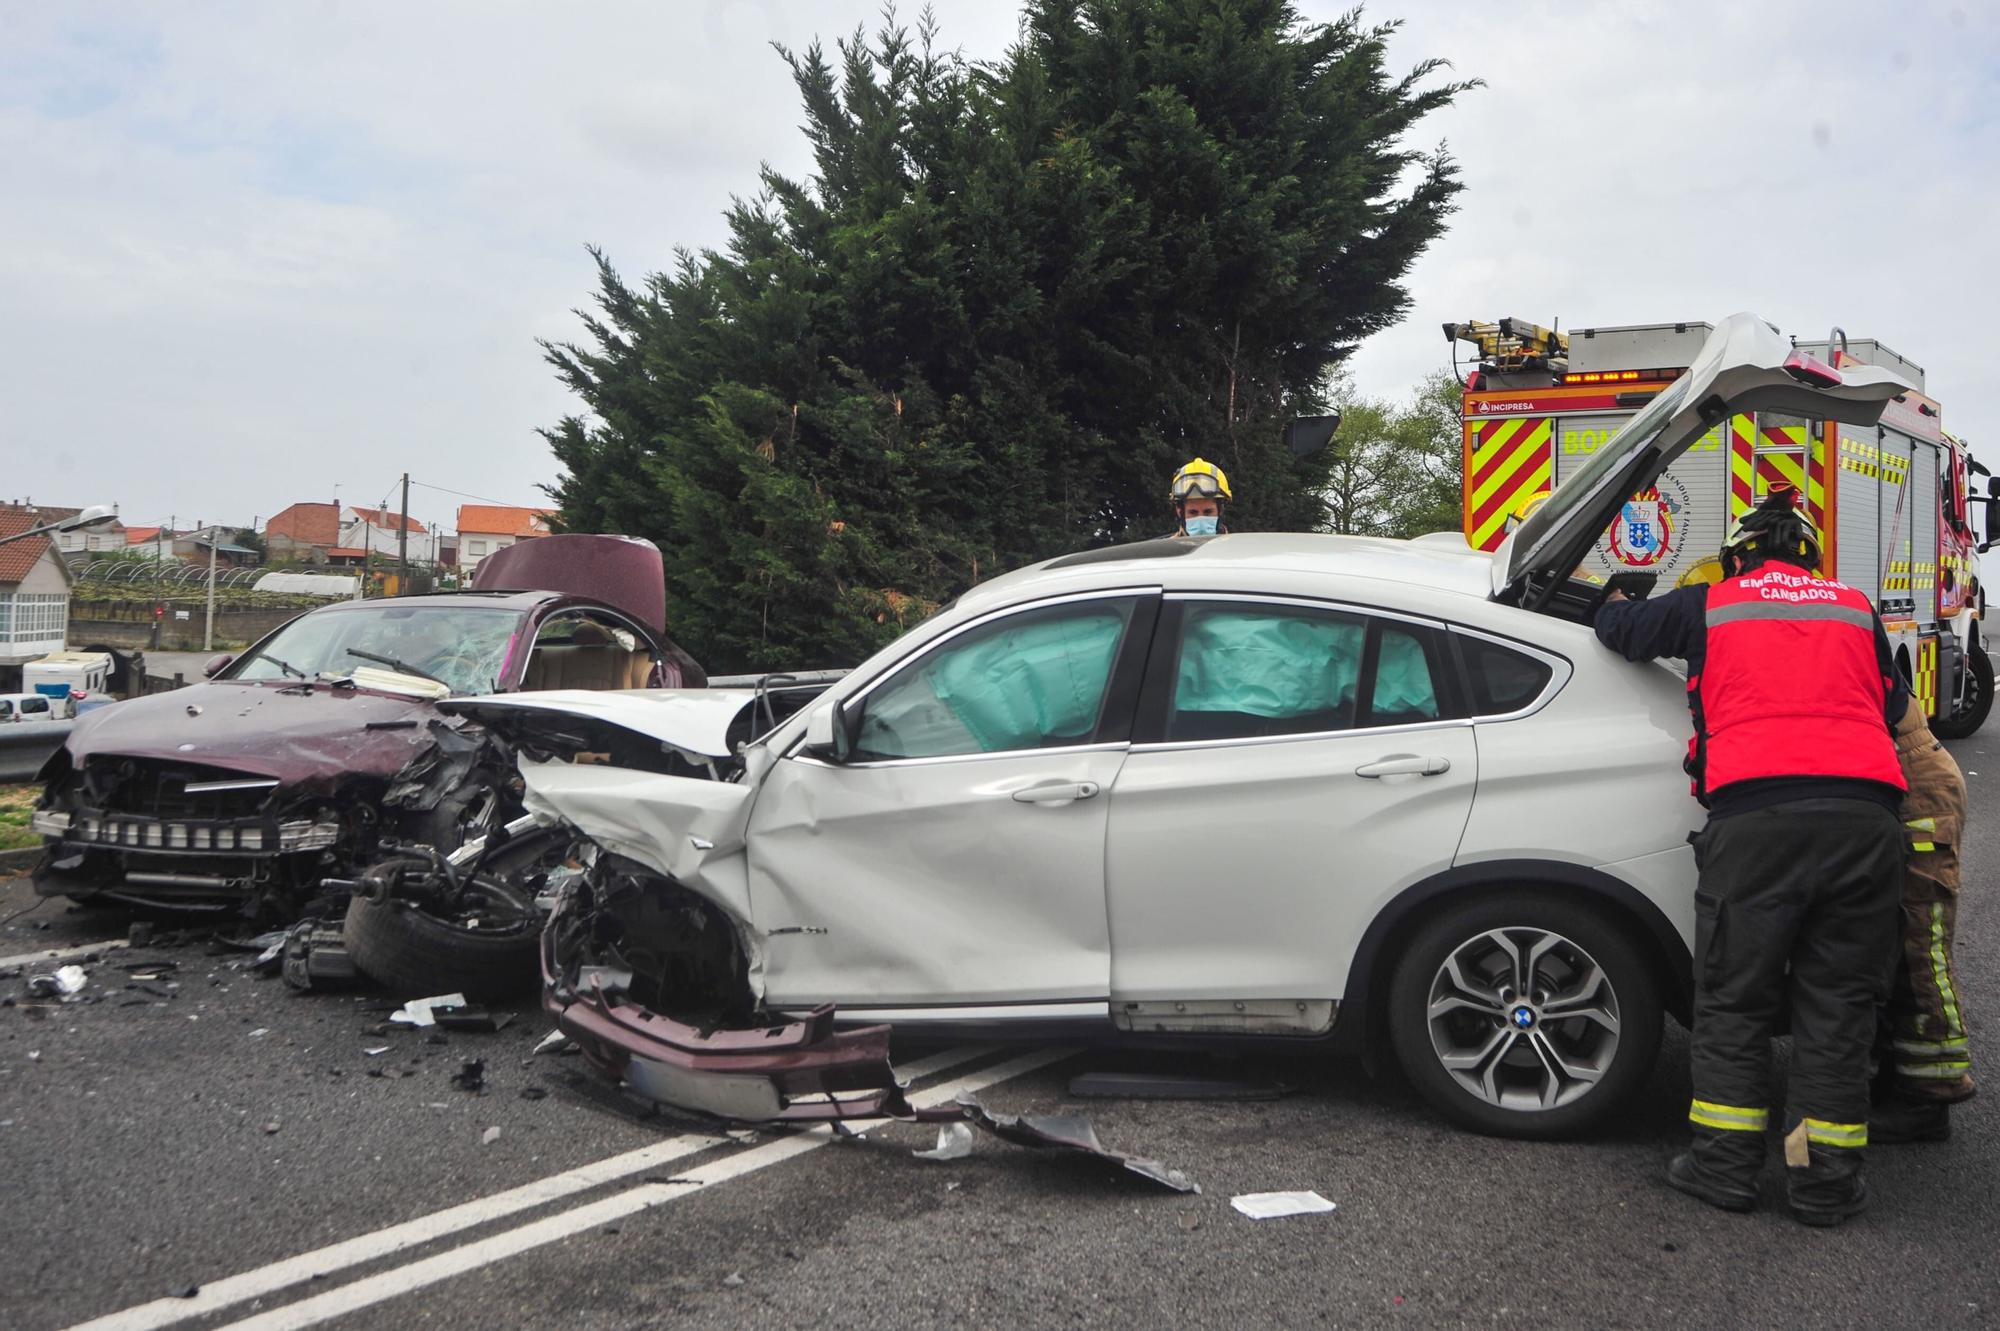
[
  {"x": 379, "y": 1288},
  {"x": 340, "y": 1256}
]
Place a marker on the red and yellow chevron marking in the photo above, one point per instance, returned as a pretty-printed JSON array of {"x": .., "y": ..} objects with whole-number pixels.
[
  {"x": 1506, "y": 462},
  {"x": 1927, "y": 672},
  {"x": 1742, "y": 466},
  {"x": 1800, "y": 463}
]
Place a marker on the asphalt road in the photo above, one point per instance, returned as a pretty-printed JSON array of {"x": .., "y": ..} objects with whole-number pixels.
[{"x": 207, "y": 1128}]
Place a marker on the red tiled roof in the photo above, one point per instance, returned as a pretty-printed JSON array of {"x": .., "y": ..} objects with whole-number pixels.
[
  {"x": 501, "y": 520},
  {"x": 141, "y": 535},
  {"x": 18, "y": 558},
  {"x": 375, "y": 517},
  {"x": 307, "y": 524},
  {"x": 346, "y": 552}
]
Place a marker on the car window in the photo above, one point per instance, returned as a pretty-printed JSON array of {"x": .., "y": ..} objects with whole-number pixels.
[
  {"x": 34, "y": 705},
  {"x": 6, "y": 709},
  {"x": 1032, "y": 680},
  {"x": 1406, "y": 673},
  {"x": 1265, "y": 670},
  {"x": 1503, "y": 680}
]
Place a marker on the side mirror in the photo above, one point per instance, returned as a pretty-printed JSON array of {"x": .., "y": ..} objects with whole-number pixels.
[
  {"x": 830, "y": 733},
  {"x": 1307, "y": 435},
  {"x": 216, "y": 664}
]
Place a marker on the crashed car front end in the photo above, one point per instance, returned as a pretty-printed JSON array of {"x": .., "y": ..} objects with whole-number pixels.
[{"x": 257, "y": 832}]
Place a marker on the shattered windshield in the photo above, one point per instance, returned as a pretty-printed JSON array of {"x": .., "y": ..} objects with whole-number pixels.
[{"x": 462, "y": 648}]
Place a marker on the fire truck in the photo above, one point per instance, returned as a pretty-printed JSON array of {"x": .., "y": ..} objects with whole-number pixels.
[{"x": 1893, "y": 502}]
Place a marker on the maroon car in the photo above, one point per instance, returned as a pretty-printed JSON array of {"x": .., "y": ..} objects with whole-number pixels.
[{"x": 321, "y": 747}]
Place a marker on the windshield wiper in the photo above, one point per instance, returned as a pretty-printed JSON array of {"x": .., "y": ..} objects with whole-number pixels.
[
  {"x": 286, "y": 666},
  {"x": 403, "y": 666}
]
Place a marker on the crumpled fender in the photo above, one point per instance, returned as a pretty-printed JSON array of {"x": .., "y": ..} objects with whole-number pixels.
[{"x": 685, "y": 828}]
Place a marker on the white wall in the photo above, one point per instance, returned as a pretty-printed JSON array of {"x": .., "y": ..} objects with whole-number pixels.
[{"x": 25, "y": 608}]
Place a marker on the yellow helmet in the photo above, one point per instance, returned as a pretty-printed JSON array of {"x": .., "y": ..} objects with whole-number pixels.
[{"x": 1199, "y": 479}]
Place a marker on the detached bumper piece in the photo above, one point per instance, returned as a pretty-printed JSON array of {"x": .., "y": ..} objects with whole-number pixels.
[
  {"x": 801, "y": 1072},
  {"x": 804, "y": 1071}
]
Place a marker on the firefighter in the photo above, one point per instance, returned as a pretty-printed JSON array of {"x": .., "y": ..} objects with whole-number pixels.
[
  {"x": 1794, "y": 696},
  {"x": 1927, "y": 1062},
  {"x": 1198, "y": 492}
]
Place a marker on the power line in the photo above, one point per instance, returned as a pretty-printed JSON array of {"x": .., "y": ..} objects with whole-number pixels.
[{"x": 484, "y": 499}]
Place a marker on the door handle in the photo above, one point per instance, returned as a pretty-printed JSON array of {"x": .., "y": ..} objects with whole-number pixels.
[
  {"x": 1404, "y": 764},
  {"x": 1067, "y": 792}
]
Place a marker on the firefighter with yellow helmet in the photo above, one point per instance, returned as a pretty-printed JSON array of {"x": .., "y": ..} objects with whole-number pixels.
[{"x": 1198, "y": 492}]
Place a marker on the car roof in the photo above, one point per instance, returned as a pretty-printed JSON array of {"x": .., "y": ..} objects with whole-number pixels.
[{"x": 1443, "y": 562}]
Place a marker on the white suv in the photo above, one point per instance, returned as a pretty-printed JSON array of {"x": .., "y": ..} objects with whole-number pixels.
[{"x": 1260, "y": 787}]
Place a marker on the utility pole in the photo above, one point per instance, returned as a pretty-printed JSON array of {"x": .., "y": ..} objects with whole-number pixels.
[
  {"x": 208, "y": 632},
  {"x": 403, "y": 543}
]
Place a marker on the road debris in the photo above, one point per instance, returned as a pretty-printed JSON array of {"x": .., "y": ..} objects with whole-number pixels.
[
  {"x": 271, "y": 1127},
  {"x": 733, "y": 1279},
  {"x": 555, "y": 1042},
  {"x": 377, "y": 1051},
  {"x": 471, "y": 1076},
  {"x": 488, "y": 1137},
  {"x": 423, "y": 1011},
  {"x": 954, "y": 1142},
  {"x": 1276, "y": 1205},
  {"x": 1067, "y": 1132},
  {"x": 315, "y": 957}
]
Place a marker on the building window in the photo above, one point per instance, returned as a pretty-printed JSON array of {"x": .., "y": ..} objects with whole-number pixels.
[
  {"x": 475, "y": 547},
  {"x": 34, "y": 617}
]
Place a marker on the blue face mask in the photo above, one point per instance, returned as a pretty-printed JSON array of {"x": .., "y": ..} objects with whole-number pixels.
[{"x": 1200, "y": 526}]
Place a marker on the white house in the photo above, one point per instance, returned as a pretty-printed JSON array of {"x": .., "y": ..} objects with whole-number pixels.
[
  {"x": 375, "y": 529},
  {"x": 34, "y": 597},
  {"x": 485, "y": 528}
]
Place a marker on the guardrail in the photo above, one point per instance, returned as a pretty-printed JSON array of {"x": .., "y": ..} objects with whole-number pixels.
[{"x": 26, "y": 745}]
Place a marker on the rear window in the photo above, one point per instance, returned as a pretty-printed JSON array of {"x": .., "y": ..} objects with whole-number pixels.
[{"x": 1503, "y": 680}]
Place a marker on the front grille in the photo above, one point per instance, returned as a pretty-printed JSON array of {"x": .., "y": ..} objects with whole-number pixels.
[
  {"x": 237, "y": 836},
  {"x": 176, "y": 790}
]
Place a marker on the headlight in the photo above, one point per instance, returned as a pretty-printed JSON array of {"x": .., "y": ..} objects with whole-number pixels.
[
  {"x": 49, "y": 822},
  {"x": 303, "y": 835}
]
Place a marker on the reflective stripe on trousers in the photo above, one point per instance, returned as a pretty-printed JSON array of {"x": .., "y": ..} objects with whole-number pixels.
[{"x": 1728, "y": 1118}]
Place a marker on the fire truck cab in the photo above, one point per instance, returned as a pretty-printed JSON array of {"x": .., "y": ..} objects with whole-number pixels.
[{"x": 1893, "y": 502}]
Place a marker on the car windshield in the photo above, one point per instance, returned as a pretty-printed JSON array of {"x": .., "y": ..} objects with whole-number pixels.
[
  {"x": 462, "y": 648},
  {"x": 1582, "y": 486}
]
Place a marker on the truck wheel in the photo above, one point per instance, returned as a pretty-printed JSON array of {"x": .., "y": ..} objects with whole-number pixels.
[
  {"x": 1978, "y": 698},
  {"x": 414, "y": 953},
  {"x": 1525, "y": 1015}
]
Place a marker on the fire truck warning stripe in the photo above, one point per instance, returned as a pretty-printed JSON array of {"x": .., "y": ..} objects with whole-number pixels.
[{"x": 1490, "y": 525}]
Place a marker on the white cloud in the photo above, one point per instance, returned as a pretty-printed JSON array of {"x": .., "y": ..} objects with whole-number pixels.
[{"x": 252, "y": 252}]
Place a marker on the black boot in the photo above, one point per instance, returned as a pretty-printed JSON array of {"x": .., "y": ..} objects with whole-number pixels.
[
  {"x": 1688, "y": 1175},
  {"x": 1897, "y": 1121},
  {"x": 1829, "y": 1189}
]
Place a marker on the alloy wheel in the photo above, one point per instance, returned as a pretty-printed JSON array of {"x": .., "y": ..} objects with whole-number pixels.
[{"x": 1523, "y": 1018}]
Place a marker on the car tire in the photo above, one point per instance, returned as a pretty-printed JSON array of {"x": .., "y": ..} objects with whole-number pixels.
[
  {"x": 1549, "y": 1059},
  {"x": 415, "y": 954},
  {"x": 1978, "y": 702}
]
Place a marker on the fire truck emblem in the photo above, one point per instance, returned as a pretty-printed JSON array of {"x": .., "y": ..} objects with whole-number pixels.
[{"x": 1644, "y": 533}]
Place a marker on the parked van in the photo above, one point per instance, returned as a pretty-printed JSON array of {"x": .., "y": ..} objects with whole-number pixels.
[
  {"x": 34, "y": 707},
  {"x": 69, "y": 676}
]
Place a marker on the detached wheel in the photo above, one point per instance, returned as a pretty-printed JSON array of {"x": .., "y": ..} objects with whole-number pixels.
[
  {"x": 1978, "y": 698},
  {"x": 1530, "y": 1015},
  {"x": 488, "y": 958}
]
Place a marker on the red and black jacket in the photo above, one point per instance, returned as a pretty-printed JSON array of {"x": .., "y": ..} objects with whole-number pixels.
[{"x": 1790, "y": 679}]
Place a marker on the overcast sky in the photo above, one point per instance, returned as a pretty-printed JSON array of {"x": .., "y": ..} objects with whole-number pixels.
[{"x": 251, "y": 253}]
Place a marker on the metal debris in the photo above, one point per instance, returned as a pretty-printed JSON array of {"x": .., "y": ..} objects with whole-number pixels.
[
  {"x": 1067, "y": 1132},
  {"x": 314, "y": 957},
  {"x": 471, "y": 1076},
  {"x": 1275, "y": 1205}
]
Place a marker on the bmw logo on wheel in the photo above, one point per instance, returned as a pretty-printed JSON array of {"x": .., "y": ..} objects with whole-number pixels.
[{"x": 1523, "y": 1016}]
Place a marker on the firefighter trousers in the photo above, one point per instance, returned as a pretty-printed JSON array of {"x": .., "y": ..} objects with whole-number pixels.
[
  {"x": 1929, "y": 1057},
  {"x": 1812, "y": 884}
]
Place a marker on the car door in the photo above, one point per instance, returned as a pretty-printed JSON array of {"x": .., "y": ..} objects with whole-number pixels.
[
  {"x": 1294, "y": 765},
  {"x": 954, "y": 858}
]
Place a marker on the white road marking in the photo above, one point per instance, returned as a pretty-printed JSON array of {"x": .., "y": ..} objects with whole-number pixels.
[
  {"x": 412, "y": 1233},
  {"x": 62, "y": 953},
  {"x": 386, "y": 1285}
]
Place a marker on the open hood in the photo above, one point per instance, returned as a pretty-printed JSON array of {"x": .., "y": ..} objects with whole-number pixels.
[
  {"x": 1744, "y": 366},
  {"x": 621, "y": 571}
]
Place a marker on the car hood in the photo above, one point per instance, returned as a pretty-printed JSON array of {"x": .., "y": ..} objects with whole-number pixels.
[
  {"x": 1745, "y": 365},
  {"x": 296, "y": 733},
  {"x": 694, "y": 721}
]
